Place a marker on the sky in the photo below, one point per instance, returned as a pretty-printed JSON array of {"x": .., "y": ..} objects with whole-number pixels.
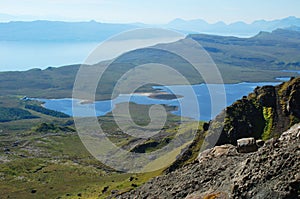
[{"x": 150, "y": 11}]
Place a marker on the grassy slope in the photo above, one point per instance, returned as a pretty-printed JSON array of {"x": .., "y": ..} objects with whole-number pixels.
[
  {"x": 62, "y": 167},
  {"x": 52, "y": 162}
]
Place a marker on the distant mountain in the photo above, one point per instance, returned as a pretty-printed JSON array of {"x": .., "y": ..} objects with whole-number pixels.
[
  {"x": 233, "y": 29},
  {"x": 60, "y": 31},
  {"x": 294, "y": 28},
  {"x": 96, "y": 31},
  {"x": 276, "y": 50}
]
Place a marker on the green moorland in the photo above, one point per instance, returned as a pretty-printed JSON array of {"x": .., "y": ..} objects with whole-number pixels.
[{"x": 43, "y": 157}]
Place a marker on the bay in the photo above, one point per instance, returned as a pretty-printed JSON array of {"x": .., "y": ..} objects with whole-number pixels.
[{"x": 233, "y": 92}]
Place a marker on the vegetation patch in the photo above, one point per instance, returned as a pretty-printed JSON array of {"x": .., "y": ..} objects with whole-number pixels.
[
  {"x": 45, "y": 111},
  {"x": 10, "y": 114},
  {"x": 268, "y": 113},
  {"x": 50, "y": 127}
]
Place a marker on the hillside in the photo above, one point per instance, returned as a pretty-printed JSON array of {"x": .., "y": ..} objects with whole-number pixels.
[
  {"x": 51, "y": 82},
  {"x": 267, "y": 50},
  {"x": 271, "y": 172},
  {"x": 260, "y": 58},
  {"x": 42, "y": 155},
  {"x": 223, "y": 172}
]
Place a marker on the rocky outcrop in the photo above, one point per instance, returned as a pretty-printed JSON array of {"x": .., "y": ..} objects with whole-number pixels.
[
  {"x": 263, "y": 114},
  {"x": 266, "y": 168},
  {"x": 271, "y": 172}
]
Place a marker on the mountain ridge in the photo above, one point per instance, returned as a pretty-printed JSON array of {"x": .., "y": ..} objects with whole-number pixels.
[
  {"x": 43, "y": 30},
  {"x": 235, "y": 28}
]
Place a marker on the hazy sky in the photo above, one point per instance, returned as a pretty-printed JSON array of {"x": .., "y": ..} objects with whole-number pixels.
[{"x": 151, "y": 11}]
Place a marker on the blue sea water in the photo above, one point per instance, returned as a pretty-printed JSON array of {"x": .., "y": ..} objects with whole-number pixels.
[
  {"x": 100, "y": 108},
  {"x": 21, "y": 56}
]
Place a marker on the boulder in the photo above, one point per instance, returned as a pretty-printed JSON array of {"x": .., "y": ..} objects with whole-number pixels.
[
  {"x": 260, "y": 143},
  {"x": 246, "y": 145},
  {"x": 292, "y": 133},
  {"x": 216, "y": 152},
  {"x": 215, "y": 195}
]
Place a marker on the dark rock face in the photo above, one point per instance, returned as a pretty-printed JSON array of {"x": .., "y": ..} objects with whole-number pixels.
[
  {"x": 293, "y": 105},
  {"x": 266, "y": 96},
  {"x": 271, "y": 172},
  {"x": 243, "y": 119}
]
